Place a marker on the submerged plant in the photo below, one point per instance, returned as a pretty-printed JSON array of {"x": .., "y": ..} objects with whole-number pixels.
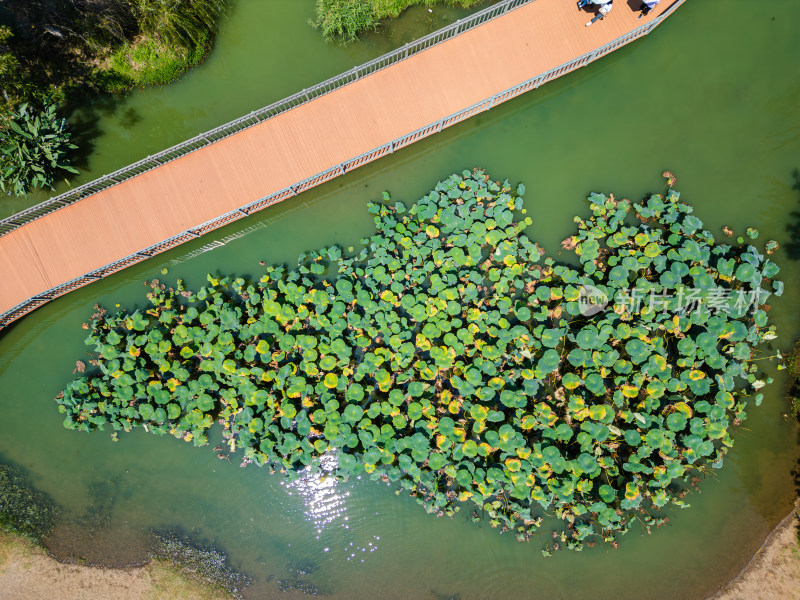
[
  {"x": 201, "y": 561},
  {"x": 450, "y": 356},
  {"x": 23, "y": 509}
]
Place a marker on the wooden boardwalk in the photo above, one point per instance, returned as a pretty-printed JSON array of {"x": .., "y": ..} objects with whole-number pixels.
[{"x": 302, "y": 142}]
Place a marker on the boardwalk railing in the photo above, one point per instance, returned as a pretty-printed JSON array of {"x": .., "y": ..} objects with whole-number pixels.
[
  {"x": 254, "y": 118},
  {"x": 315, "y": 180}
]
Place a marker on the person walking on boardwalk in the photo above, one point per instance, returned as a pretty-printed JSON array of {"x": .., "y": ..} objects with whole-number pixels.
[
  {"x": 604, "y": 7},
  {"x": 647, "y": 6}
]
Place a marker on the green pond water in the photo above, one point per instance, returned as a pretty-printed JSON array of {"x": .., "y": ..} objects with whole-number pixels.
[{"x": 712, "y": 95}]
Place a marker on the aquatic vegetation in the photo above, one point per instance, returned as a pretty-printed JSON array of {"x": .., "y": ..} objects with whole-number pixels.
[
  {"x": 201, "y": 561},
  {"x": 451, "y": 356},
  {"x": 344, "y": 20},
  {"x": 23, "y": 509},
  {"x": 791, "y": 362}
]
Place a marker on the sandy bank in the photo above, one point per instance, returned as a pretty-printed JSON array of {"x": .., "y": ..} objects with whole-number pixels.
[
  {"x": 774, "y": 571},
  {"x": 27, "y": 573}
]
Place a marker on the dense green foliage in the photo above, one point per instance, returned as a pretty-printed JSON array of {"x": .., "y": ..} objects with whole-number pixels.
[
  {"x": 178, "y": 35},
  {"x": 33, "y": 148},
  {"x": 344, "y": 20},
  {"x": 450, "y": 356},
  {"x": 150, "y": 62},
  {"x": 23, "y": 510},
  {"x": 57, "y": 48}
]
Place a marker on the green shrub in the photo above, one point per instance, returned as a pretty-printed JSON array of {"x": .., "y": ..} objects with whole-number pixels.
[
  {"x": 150, "y": 62},
  {"x": 63, "y": 49},
  {"x": 34, "y": 146},
  {"x": 343, "y": 20}
]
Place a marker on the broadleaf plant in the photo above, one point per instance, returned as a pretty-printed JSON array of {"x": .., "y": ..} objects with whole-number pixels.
[
  {"x": 34, "y": 148},
  {"x": 450, "y": 356}
]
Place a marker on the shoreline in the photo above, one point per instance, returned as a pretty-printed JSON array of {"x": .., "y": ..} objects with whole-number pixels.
[
  {"x": 28, "y": 572},
  {"x": 774, "y": 569}
]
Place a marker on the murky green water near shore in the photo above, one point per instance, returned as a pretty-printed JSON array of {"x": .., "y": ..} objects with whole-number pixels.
[{"x": 711, "y": 95}]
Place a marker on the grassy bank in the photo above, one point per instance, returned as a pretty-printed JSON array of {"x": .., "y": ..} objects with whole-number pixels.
[
  {"x": 146, "y": 61},
  {"x": 344, "y": 20},
  {"x": 60, "y": 50}
]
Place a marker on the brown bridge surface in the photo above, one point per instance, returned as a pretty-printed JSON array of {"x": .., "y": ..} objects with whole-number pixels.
[{"x": 80, "y": 239}]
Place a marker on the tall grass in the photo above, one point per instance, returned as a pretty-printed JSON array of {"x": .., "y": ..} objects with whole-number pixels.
[
  {"x": 185, "y": 23},
  {"x": 344, "y": 20},
  {"x": 149, "y": 62}
]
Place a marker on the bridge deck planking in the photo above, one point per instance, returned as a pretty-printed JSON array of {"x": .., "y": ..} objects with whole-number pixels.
[{"x": 300, "y": 143}]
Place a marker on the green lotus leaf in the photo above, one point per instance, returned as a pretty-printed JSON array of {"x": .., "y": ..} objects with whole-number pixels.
[
  {"x": 563, "y": 432},
  {"x": 588, "y": 464},
  {"x": 676, "y": 421},
  {"x": 354, "y": 393},
  {"x": 352, "y": 413},
  {"x": 579, "y": 358},
  {"x": 618, "y": 275},
  {"x": 745, "y": 272},
  {"x": 632, "y": 438},
  {"x": 571, "y": 381},
  {"x": 414, "y": 411},
  {"x": 416, "y": 389},
  {"x": 446, "y": 426},
  {"x": 607, "y": 493},
  {"x": 478, "y": 413},
  {"x": 331, "y": 380},
  {"x": 637, "y": 350},
  {"x": 588, "y": 338},
  {"x": 470, "y": 448},
  {"x": 549, "y": 361},
  {"x": 347, "y": 463},
  {"x": 595, "y": 384},
  {"x": 109, "y": 352},
  {"x": 146, "y": 411},
  {"x": 496, "y": 416},
  {"x": 436, "y": 461}
]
